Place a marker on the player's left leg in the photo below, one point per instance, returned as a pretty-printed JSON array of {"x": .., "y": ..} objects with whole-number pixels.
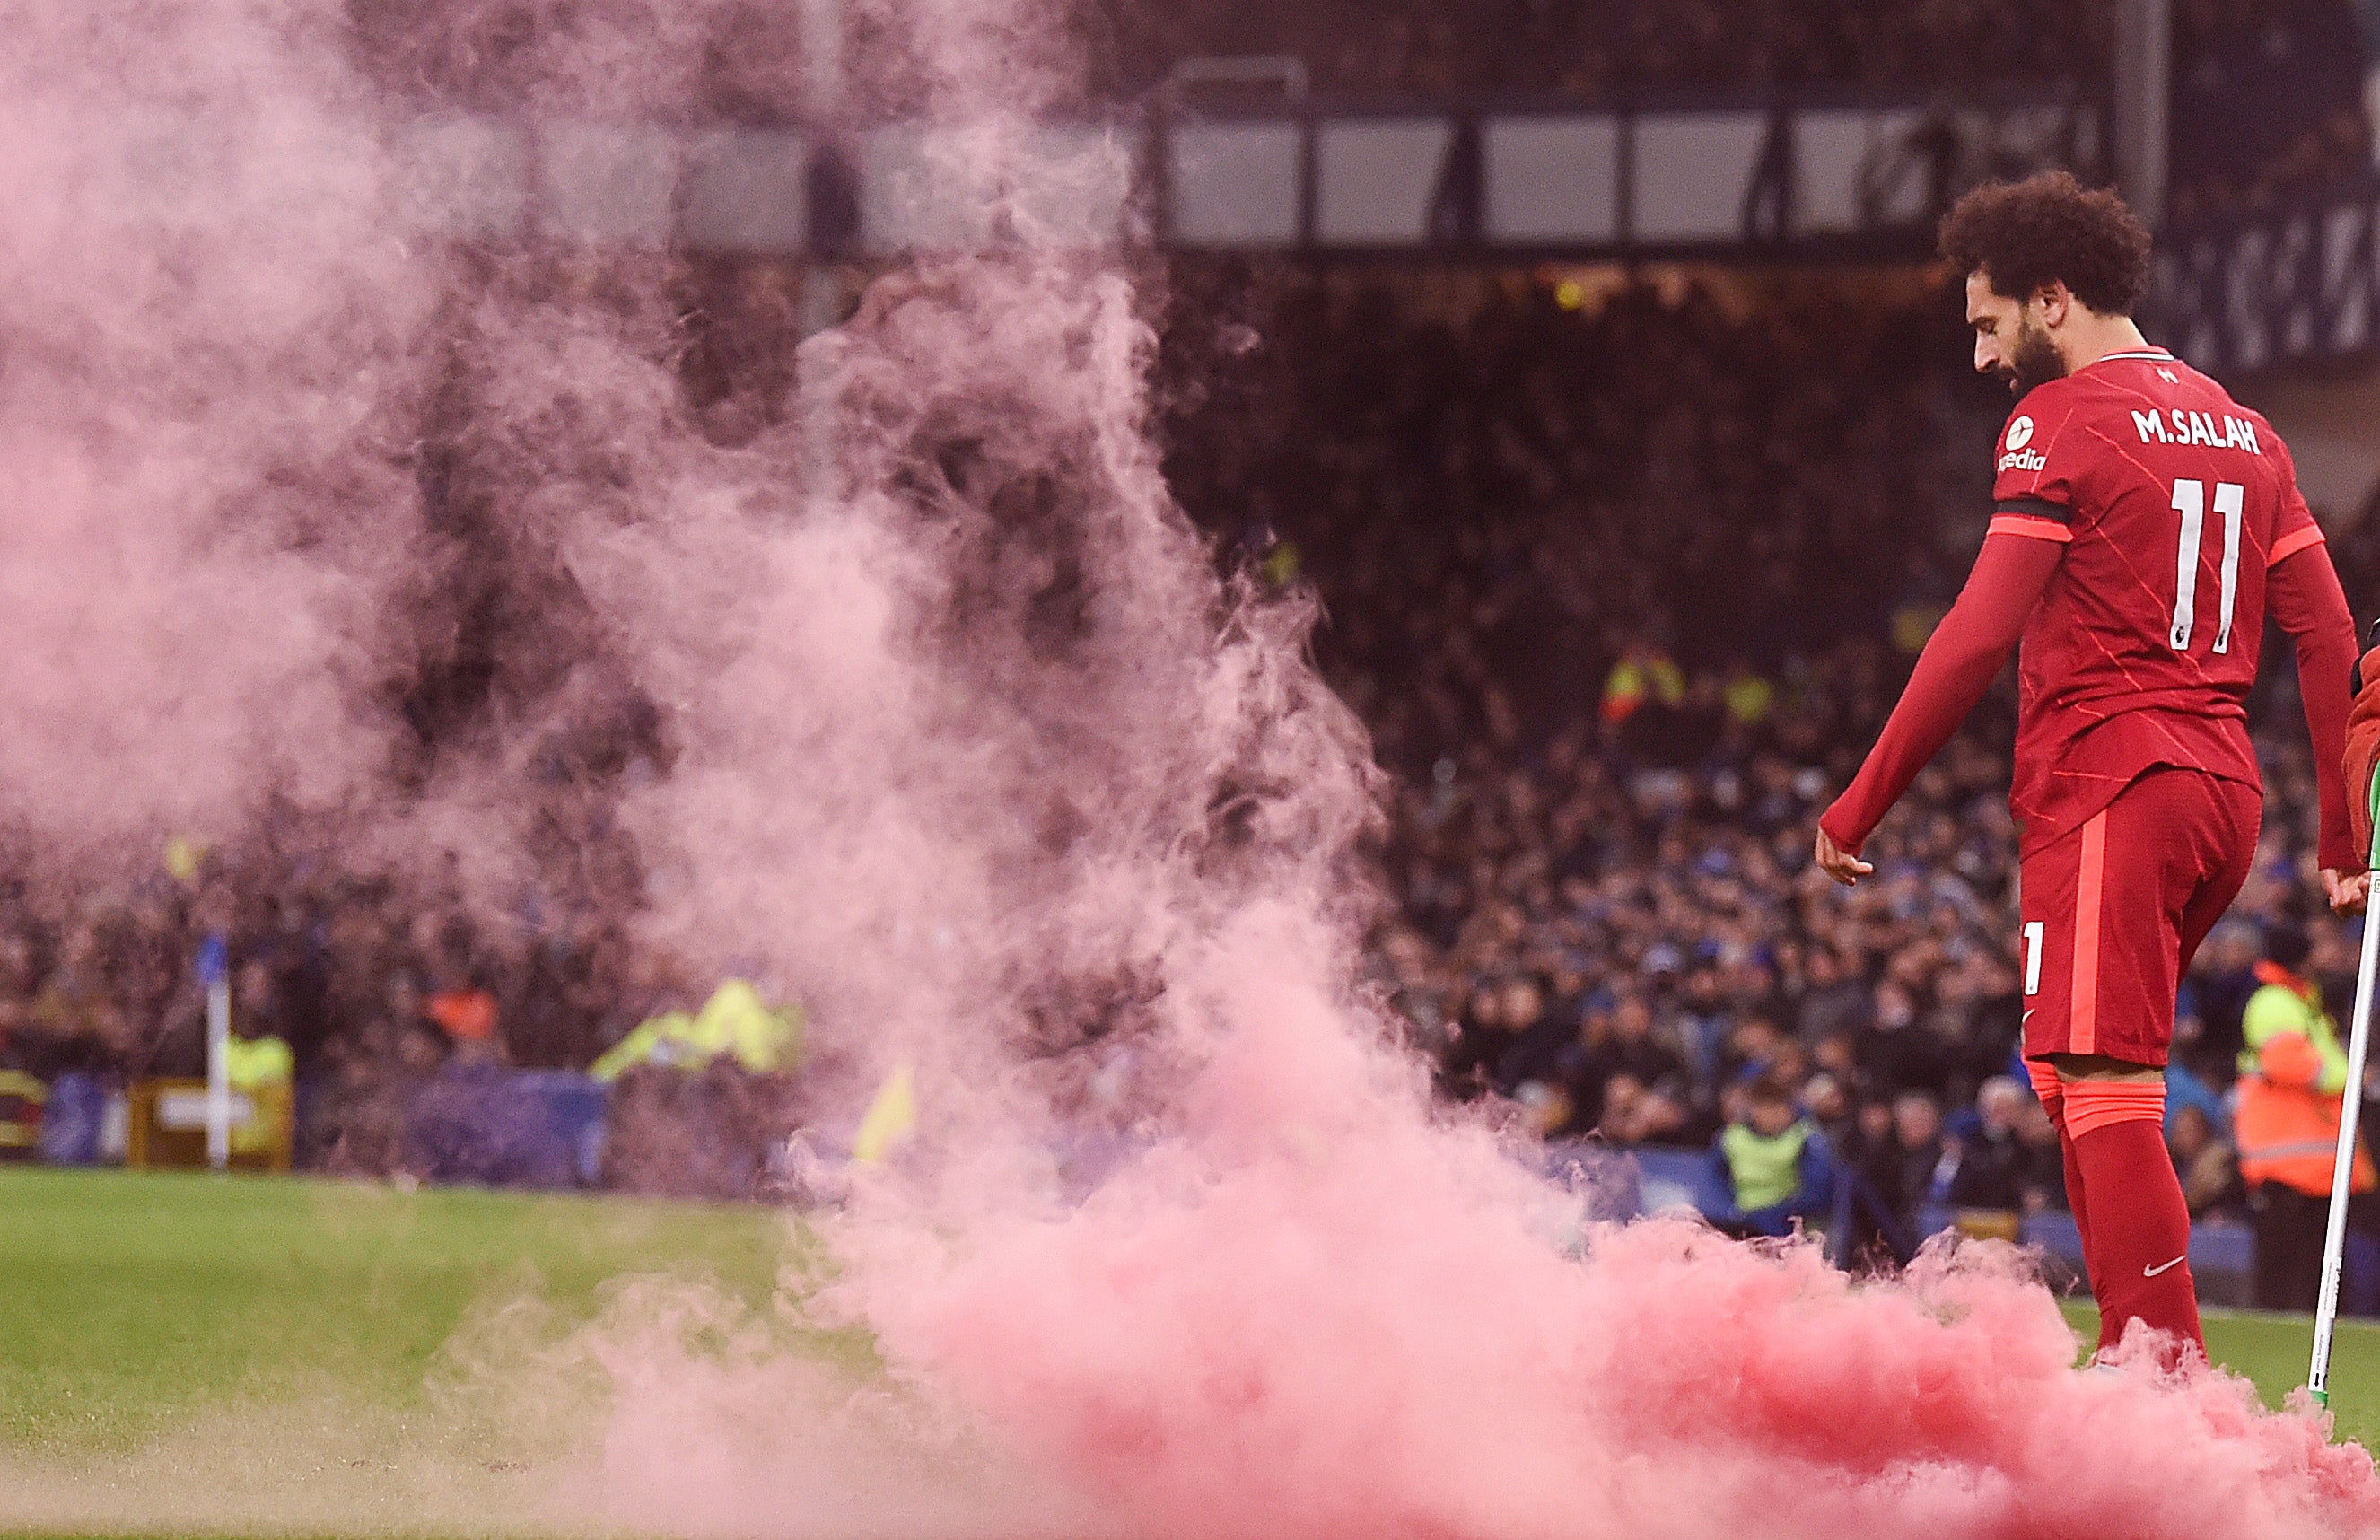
[{"x": 2115, "y": 1111}]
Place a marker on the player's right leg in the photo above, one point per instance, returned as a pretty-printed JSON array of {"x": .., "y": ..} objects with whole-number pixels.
[{"x": 2109, "y": 913}]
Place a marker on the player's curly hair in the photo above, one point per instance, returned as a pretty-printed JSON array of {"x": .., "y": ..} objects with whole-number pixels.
[{"x": 2050, "y": 229}]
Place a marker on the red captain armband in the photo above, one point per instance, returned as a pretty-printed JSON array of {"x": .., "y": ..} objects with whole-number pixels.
[
  {"x": 2290, "y": 545},
  {"x": 2032, "y": 517}
]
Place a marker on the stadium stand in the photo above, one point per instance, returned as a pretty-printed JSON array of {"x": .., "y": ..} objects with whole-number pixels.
[{"x": 1597, "y": 861}]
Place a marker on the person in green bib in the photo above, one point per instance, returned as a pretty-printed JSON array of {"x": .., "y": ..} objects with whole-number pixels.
[
  {"x": 737, "y": 1022},
  {"x": 256, "y": 1066},
  {"x": 1769, "y": 1167}
]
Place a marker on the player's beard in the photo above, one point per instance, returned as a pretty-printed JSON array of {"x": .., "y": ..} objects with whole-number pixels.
[{"x": 2034, "y": 361}]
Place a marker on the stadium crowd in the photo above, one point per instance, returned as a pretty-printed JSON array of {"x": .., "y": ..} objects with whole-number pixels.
[{"x": 1623, "y": 574}]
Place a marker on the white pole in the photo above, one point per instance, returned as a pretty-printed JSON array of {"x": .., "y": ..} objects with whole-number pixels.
[
  {"x": 827, "y": 85},
  {"x": 218, "y": 1073},
  {"x": 2334, "y": 1250},
  {"x": 822, "y": 56}
]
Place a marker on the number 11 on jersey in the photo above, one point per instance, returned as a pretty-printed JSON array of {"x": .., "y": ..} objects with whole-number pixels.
[{"x": 2190, "y": 501}]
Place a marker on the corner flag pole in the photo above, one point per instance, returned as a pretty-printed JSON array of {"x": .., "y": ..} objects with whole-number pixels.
[{"x": 2343, "y": 1171}]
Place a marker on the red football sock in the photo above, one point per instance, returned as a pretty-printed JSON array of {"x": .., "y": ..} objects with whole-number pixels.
[
  {"x": 2139, "y": 1251},
  {"x": 2074, "y": 1200},
  {"x": 2052, "y": 1093}
]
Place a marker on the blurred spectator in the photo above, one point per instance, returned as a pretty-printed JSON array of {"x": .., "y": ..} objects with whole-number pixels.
[
  {"x": 1531, "y": 1033},
  {"x": 1922, "y": 1167},
  {"x": 467, "y": 1016},
  {"x": 1868, "y": 1156},
  {"x": 2209, "y": 1168},
  {"x": 1644, "y": 677},
  {"x": 1621, "y": 1048},
  {"x": 1635, "y": 1113},
  {"x": 1894, "y": 1048},
  {"x": 2220, "y": 982},
  {"x": 700, "y": 1100},
  {"x": 1835, "y": 1000},
  {"x": 2044, "y": 1183},
  {"x": 1824, "y": 1099},
  {"x": 2292, "y": 1075},
  {"x": 1772, "y": 1166},
  {"x": 1874, "y": 1151},
  {"x": 259, "y": 1066},
  {"x": 1989, "y": 1165}
]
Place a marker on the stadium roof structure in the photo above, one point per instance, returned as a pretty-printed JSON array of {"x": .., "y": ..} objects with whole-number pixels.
[
  {"x": 1809, "y": 177},
  {"x": 1860, "y": 176}
]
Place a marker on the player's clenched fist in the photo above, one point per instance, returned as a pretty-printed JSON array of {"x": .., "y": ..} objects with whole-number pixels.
[{"x": 1839, "y": 863}]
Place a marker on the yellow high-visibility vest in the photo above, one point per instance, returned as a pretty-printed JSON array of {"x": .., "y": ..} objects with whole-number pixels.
[
  {"x": 735, "y": 1022},
  {"x": 255, "y": 1067},
  {"x": 254, "y": 1062}
]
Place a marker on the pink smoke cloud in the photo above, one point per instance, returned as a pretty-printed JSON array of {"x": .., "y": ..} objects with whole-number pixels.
[
  {"x": 961, "y": 739},
  {"x": 212, "y": 349},
  {"x": 1320, "y": 1309}
]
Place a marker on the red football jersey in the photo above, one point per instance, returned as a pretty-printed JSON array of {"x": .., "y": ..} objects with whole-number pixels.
[{"x": 2172, "y": 500}]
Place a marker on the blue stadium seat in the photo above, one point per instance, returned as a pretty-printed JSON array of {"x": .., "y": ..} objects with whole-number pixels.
[
  {"x": 1612, "y": 1182},
  {"x": 2054, "y": 1233},
  {"x": 72, "y": 1121},
  {"x": 508, "y": 1128},
  {"x": 1669, "y": 1180}
]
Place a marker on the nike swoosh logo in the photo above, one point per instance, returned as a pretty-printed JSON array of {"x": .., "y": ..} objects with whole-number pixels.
[{"x": 2152, "y": 1272}]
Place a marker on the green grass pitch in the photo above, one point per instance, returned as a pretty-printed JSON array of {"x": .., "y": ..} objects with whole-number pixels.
[
  {"x": 127, "y": 1301},
  {"x": 132, "y": 1306}
]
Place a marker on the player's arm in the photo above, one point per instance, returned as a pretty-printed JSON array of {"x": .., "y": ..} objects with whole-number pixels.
[
  {"x": 2304, "y": 597},
  {"x": 2363, "y": 746},
  {"x": 1957, "y": 666}
]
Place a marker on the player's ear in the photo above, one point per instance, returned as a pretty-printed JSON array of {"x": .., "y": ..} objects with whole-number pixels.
[{"x": 2055, "y": 300}]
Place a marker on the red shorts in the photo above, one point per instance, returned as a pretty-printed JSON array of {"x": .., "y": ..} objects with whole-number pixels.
[{"x": 2114, "y": 912}]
